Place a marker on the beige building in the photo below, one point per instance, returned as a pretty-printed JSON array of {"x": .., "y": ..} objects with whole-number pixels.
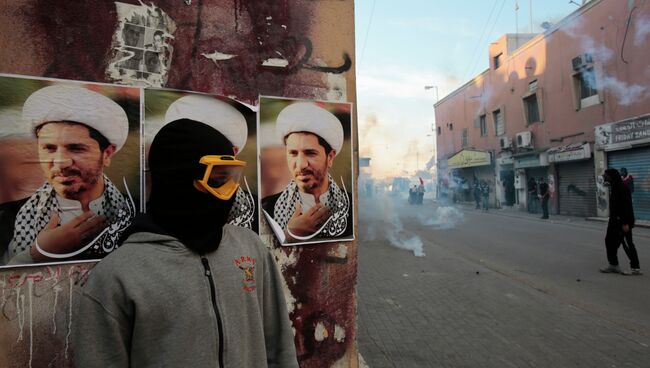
[{"x": 563, "y": 105}]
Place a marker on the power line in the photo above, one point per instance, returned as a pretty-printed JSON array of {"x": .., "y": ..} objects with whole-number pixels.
[
  {"x": 363, "y": 49},
  {"x": 480, "y": 40},
  {"x": 496, "y": 19}
]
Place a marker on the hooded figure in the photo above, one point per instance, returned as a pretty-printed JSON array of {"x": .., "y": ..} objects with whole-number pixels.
[
  {"x": 175, "y": 204},
  {"x": 167, "y": 296},
  {"x": 621, "y": 222}
]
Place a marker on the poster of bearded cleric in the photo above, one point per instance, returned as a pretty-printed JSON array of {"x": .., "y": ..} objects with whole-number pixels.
[
  {"x": 306, "y": 170},
  {"x": 217, "y": 175},
  {"x": 69, "y": 169}
]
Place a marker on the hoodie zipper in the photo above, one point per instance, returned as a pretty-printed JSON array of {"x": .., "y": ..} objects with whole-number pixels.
[{"x": 208, "y": 274}]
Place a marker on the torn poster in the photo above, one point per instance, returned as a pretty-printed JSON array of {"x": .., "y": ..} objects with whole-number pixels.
[{"x": 142, "y": 52}]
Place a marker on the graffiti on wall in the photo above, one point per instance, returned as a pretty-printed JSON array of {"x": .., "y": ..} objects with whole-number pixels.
[
  {"x": 602, "y": 193},
  {"x": 572, "y": 188},
  {"x": 37, "y": 314},
  {"x": 239, "y": 49}
]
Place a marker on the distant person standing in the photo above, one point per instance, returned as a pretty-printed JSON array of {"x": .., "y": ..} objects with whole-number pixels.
[
  {"x": 544, "y": 196},
  {"x": 628, "y": 180},
  {"x": 485, "y": 194},
  {"x": 420, "y": 193},
  {"x": 532, "y": 195},
  {"x": 477, "y": 193},
  {"x": 621, "y": 222}
]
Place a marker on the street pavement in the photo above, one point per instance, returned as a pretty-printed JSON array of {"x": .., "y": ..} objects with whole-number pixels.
[{"x": 496, "y": 289}]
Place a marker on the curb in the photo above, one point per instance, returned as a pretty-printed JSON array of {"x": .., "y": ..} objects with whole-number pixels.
[
  {"x": 513, "y": 213},
  {"x": 641, "y": 223}
]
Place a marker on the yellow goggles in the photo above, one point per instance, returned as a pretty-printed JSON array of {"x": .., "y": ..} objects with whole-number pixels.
[{"x": 222, "y": 175}]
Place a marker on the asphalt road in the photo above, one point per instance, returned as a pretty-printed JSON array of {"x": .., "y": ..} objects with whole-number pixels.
[{"x": 496, "y": 289}]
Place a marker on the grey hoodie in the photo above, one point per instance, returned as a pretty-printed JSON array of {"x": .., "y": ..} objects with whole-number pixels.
[{"x": 150, "y": 304}]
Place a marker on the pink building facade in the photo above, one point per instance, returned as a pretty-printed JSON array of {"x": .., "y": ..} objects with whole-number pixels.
[{"x": 563, "y": 106}]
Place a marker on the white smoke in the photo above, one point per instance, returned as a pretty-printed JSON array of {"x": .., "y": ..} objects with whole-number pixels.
[
  {"x": 385, "y": 216},
  {"x": 446, "y": 217},
  {"x": 642, "y": 30},
  {"x": 625, "y": 93}
]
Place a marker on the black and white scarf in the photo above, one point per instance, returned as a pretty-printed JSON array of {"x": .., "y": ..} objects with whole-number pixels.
[
  {"x": 34, "y": 215},
  {"x": 339, "y": 205},
  {"x": 243, "y": 210}
]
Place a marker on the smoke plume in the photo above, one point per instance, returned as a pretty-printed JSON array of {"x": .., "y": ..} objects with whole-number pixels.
[{"x": 389, "y": 217}]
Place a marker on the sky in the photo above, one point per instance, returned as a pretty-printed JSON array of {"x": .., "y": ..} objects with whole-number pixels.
[{"x": 441, "y": 43}]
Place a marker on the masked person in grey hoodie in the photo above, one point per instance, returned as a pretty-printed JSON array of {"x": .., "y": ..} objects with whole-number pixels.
[{"x": 186, "y": 289}]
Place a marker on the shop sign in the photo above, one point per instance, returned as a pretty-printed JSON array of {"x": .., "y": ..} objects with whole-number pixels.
[
  {"x": 531, "y": 160},
  {"x": 623, "y": 132},
  {"x": 467, "y": 158},
  {"x": 505, "y": 160},
  {"x": 571, "y": 152}
]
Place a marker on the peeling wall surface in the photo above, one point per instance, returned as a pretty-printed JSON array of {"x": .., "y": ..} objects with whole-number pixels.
[{"x": 299, "y": 49}]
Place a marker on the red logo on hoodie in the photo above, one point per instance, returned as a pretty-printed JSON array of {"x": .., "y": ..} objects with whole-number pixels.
[{"x": 247, "y": 265}]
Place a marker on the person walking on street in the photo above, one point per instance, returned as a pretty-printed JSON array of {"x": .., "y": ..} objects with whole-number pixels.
[
  {"x": 485, "y": 193},
  {"x": 619, "y": 227},
  {"x": 544, "y": 196},
  {"x": 532, "y": 195}
]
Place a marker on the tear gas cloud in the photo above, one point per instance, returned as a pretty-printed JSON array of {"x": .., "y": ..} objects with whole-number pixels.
[
  {"x": 642, "y": 30},
  {"x": 384, "y": 217},
  {"x": 625, "y": 93}
]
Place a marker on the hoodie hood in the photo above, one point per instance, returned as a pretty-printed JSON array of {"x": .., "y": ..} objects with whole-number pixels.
[{"x": 614, "y": 177}]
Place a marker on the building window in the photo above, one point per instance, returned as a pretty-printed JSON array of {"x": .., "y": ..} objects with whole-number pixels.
[
  {"x": 499, "y": 128},
  {"x": 464, "y": 139},
  {"x": 439, "y": 130},
  {"x": 585, "y": 88},
  {"x": 497, "y": 60},
  {"x": 482, "y": 125},
  {"x": 531, "y": 109}
]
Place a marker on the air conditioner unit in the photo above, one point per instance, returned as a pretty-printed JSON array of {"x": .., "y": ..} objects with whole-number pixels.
[
  {"x": 581, "y": 61},
  {"x": 505, "y": 143},
  {"x": 525, "y": 140}
]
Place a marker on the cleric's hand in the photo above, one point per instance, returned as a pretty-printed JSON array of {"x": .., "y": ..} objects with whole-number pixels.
[
  {"x": 303, "y": 224},
  {"x": 67, "y": 237}
]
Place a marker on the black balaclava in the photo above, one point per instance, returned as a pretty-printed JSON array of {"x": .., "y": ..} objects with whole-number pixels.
[
  {"x": 614, "y": 177},
  {"x": 194, "y": 217}
]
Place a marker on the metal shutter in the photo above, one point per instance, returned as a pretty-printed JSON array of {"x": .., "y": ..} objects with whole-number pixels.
[
  {"x": 637, "y": 163},
  {"x": 577, "y": 188}
]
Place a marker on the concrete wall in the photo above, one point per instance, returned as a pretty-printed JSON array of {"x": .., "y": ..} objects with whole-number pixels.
[{"x": 222, "y": 47}]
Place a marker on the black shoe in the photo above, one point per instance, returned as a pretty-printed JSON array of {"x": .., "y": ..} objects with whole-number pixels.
[{"x": 544, "y": 217}]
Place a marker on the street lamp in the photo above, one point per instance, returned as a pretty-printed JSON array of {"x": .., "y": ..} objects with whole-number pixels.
[{"x": 426, "y": 88}]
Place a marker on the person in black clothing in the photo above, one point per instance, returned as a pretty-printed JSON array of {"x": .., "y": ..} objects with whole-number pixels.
[
  {"x": 621, "y": 222},
  {"x": 544, "y": 196}
]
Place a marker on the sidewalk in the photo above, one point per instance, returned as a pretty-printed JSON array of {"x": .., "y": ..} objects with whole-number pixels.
[{"x": 514, "y": 212}]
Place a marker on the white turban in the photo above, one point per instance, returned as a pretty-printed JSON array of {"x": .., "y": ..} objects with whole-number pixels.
[
  {"x": 218, "y": 114},
  {"x": 80, "y": 105},
  {"x": 308, "y": 117}
]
